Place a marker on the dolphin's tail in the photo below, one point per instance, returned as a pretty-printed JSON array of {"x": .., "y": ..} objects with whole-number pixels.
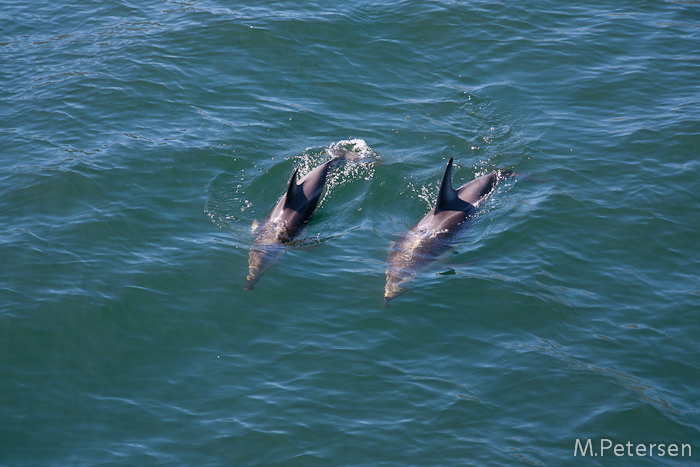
[{"x": 251, "y": 280}]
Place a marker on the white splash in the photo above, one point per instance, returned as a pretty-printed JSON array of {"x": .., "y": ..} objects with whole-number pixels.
[{"x": 356, "y": 149}]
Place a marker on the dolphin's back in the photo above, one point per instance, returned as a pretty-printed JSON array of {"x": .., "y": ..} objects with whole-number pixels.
[
  {"x": 299, "y": 203},
  {"x": 475, "y": 191}
]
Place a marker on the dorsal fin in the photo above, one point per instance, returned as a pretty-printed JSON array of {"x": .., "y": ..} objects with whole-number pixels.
[
  {"x": 446, "y": 194},
  {"x": 292, "y": 189}
]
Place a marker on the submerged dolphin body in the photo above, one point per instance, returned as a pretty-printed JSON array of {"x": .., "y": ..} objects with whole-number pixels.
[
  {"x": 288, "y": 218},
  {"x": 435, "y": 233}
]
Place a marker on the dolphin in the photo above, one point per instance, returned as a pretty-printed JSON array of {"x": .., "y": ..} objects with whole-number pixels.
[
  {"x": 288, "y": 218},
  {"x": 437, "y": 231}
]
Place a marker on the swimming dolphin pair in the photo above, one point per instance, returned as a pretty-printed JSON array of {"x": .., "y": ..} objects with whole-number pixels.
[{"x": 416, "y": 248}]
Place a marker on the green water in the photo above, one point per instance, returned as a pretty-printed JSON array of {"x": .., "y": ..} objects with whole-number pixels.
[{"x": 139, "y": 142}]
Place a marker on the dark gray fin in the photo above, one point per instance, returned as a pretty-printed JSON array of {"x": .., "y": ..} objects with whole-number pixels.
[
  {"x": 292, "y": 189},
  {"x": 447, "y": 194}
]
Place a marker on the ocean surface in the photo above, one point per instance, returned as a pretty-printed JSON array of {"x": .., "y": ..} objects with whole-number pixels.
[{"x": 140, "y": 140}]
